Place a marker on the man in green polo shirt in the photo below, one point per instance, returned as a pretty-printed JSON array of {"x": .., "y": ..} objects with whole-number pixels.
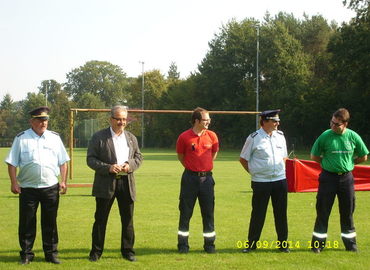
[{"x": 337, "y": 149}]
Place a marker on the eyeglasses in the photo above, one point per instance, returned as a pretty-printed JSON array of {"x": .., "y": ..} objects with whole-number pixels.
[
  {"x": 119, "y": 119},
  {"x": 335, "y": 123},
  {"x": 206, "y": 120}
]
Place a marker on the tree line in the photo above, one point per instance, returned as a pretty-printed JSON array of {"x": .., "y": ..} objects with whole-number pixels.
[{"x": 307, "y": 68}]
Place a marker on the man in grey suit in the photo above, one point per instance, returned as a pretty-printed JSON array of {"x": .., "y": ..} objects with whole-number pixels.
[{"x": 114, "y": 154}]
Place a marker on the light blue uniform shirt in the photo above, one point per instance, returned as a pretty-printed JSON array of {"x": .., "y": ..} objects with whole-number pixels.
[
  {"x": 265, "y": 155},
  {"x": 38, "y": 157}
]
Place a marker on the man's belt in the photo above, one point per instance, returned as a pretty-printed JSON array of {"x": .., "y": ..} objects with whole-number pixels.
[
  {"x": 120, "y": 175},
  {"x": 337, "y": 173},
  {"x": 200, "y": 174}
]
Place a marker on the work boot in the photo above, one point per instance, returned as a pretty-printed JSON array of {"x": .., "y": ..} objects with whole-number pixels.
[
  {"x": 182, "y": 244},
  {"x": 209, "y": 244}
]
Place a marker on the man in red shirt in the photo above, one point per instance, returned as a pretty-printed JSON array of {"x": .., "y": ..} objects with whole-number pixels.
[{"x": 196, "y": 149}]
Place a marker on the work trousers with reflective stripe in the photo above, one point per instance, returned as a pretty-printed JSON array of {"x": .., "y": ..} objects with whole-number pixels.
[
  {"x": 201, "y": 187},
  {"x": 331, "y": 185},
  {"x": 262, "y": 191},
  {"x": 29, "y": 200}
]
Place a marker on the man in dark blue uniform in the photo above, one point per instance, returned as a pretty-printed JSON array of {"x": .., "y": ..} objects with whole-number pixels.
[
  {"x": 263, "y": 157},
  {"x": 41, "y": 157}
]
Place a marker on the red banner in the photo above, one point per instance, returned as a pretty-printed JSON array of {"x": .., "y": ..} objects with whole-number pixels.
[{"x": 303, "y": 175}]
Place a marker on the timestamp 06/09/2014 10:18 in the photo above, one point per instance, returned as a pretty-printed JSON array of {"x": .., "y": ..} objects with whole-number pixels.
[{"x": 286, "y": 244}]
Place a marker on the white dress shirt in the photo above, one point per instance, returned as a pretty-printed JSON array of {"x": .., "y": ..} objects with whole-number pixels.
[{"x": 120, "y": 147}]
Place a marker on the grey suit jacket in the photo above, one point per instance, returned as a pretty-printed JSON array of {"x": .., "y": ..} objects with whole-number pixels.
[{"x": 101, "y": 155}]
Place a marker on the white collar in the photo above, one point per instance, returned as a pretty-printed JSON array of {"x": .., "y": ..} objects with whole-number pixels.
[{"x": 114, "y": 134}]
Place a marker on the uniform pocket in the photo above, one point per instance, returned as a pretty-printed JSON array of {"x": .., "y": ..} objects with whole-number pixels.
[{"x": 27, "y": 155}]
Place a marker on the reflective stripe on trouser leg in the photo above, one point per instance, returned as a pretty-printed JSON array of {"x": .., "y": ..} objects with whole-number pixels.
[
  {"x": 320, "y": 235},
  {"x": 185, "y": 234},
  {"x": 209, "y": 235},
  {"x": 318, "y": 240},
  {"x": 349, "y": 240},
  {"x": 349, "y": 235}
]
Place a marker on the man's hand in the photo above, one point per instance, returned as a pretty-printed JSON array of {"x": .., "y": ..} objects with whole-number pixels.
[
  {"x": 125, "y": 168},
  {"x": 15, "y": 188},
  {"x": 63, "y": 187},
  {"x": 115, "y": 168}
]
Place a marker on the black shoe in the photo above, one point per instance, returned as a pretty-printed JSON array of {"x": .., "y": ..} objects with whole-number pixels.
[
  {"x": 52, "y": 259},
  {"x": 94, "y": 257},
  {"x": 316, "y": 250},
  {"x": 130, "y": 257},
  {"x": 210, "y": 249},
  {"x": 353, "y": 249},
  {"x": 247, "y": 250},
  {"x": 183, "y": 249},
  {"x": 26, "y": 260},
  {"x": 284, "y": 250}
]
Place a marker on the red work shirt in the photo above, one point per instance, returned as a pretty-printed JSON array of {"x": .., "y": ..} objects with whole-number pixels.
[{"x": 197, "y": 150}]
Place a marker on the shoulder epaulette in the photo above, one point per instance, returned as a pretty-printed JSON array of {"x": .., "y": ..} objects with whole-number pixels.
[
  {"x": 56, "y": 133},
  {"x": 20, "y": 134},
  {"x": 280, "y": 132},
  {"x": 254, "y": 134}
]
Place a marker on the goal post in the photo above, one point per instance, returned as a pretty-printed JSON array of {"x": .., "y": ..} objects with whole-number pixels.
[{"x": 74, "y": 111}]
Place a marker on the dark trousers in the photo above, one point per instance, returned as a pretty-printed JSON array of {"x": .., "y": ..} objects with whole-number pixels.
[
  {"x": 126, "y": 210},
  {"x": 193, "y": 187},
  {"x": 331, "y": 185},
  {"x": 262, "y": 192},
  {"x": 29, "y": 200}
]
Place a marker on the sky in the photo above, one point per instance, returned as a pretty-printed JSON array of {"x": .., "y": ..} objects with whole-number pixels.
[{"x": 46, "y": 39}]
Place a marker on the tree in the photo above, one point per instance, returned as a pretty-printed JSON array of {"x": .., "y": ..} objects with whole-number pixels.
[
  {"x": 315, "y": 34},
  {"x": 89, "y": 101},
  {"x": 293, "y": 67},
  {"x": 50, "y": 88},
  {"x": 59, "y": 115},
  {"x": 155, "y": 86},
  {"x": 229, "y": 62},
  {"x": 285, "y": 68},
  {"x": 361, "y": 7},
  {"x": 88, "y": 122},
  {"x": 350, "y": 73},
  {"x": 173, "y": 74},
  {"x": 179, "y": 96},
  {"x": 3, "y": 125},
  {"x": 11, "y": 120},
  {"x": 6, "y": 117},
  {"x": 7, "y": 103},
  {"x": 31, "y": 102},
  {"x": 102, "y": 79},
  {"x": 227, "y": 76}
]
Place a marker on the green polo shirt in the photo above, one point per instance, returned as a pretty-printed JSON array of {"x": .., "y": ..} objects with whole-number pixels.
[{"x": 338, "y": 151}]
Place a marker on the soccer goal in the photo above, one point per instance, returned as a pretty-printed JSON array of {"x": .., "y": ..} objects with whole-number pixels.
[{"x": 90, "y": 129}]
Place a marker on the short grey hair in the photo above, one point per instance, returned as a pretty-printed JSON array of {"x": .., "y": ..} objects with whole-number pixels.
[{"x": 117, "y": 108}]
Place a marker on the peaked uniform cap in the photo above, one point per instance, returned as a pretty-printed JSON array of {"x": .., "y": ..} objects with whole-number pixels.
[
  {"x": 270, "y": 115},
  {"x": 40, "y": 112}
]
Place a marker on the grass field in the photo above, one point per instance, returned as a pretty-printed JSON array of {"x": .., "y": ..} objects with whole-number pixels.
[{"x": 156, "y": 220}]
